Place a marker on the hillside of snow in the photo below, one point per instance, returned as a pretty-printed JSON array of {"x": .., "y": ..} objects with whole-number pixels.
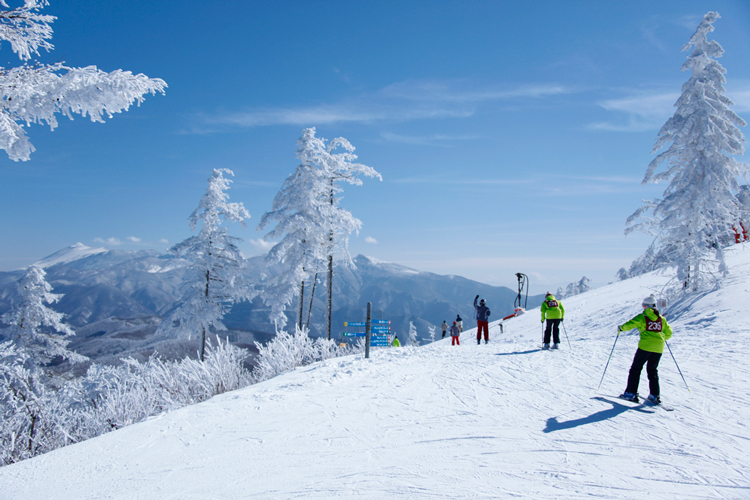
[
  {"x": 69, "y": 254},
  {"x": 503, "y": 420}
]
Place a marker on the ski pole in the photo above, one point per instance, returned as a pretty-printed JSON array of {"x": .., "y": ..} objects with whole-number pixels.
[
  {"x": 566, "y": 334},
  {"x": 678, "y": 366},
  {"x": 610, "y": 357},
  {"x": 542, "y": 333}
]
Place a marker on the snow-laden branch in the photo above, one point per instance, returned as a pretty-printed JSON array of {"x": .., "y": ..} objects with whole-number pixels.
[{"x": 35, "y": 93}]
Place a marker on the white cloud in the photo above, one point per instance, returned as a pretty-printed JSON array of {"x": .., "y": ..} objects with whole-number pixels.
[
  {"x": 644, "y": 112},
  {"x": 435, "y": 140},
  {"x": 649, "y": 111},
  {"x": 262, "y": 245},
  {"x": 133, "y": 239},
  {"x": 164, "y": 241},
  {"x": 108, "y": 241},
  {"x": 403, "y": 101},
  {"x": 371, "y": 240}
]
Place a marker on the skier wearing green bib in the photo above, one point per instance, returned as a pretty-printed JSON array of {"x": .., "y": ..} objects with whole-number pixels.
[
  {"x": 655, "y": 331},
  {"x": 554, "y": 312}
]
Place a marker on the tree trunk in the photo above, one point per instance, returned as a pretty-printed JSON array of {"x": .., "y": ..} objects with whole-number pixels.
[
  {"x": 330, "y": 271},
  {"x": 203, "y": 345},
  {"x": 301, "y": 303},
  {"x": 312, "y": 294},
  {"x": 203, "y": 336},
  {"x": 330, "y": 292}
]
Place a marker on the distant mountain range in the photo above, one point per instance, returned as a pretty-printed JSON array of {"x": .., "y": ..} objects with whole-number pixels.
[{"x": 116, "y": 299}]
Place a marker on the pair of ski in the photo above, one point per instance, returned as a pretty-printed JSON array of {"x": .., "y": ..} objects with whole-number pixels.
[{"x": 644, "y": 402}]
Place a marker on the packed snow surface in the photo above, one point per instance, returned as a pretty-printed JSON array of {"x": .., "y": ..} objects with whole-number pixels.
[{"x": 503, "y": 420}]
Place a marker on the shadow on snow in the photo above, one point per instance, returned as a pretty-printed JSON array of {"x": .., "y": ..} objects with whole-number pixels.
[
  {"x": 514, "y": 353},
  {"x": 617, "y": 408}
]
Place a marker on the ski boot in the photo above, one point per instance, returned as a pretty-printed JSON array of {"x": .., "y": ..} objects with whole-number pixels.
[
  {"x": 629, "y": 396},
  {"x": 555, "y": 346},
  {"x": 545, "y": 347},
  {"x": 654, "y": 399}
]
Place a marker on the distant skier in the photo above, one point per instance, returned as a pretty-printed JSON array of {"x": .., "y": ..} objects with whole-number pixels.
[
  {"x": 655, "y": 331},
  {"x": 482, "y": 312},
  {"x": 396, "y": 343},
  {"x": 460, "y": 323},
  {"x": 445, "y": 327},
  {"x": 454, "y": 334},
  {"x": 554, "y": 312}
]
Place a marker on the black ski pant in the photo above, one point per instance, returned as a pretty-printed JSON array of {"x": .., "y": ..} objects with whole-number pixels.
[
  {"x": 553, "y": 330},
  {"x": 651, "y": 360}
]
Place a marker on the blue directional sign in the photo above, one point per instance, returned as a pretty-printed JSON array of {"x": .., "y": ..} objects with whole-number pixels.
[
  {"x": 379, "y": 340},
  {"x": 380, "y": 321},
  {"x": 354, "y": 334},
  {"x": 380, "y": 329},
  {"x": 355, "y": 323}
]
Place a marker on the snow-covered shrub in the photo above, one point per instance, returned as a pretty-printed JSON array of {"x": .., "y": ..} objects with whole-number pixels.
[
  {"x": 134, "y": 391},
  {"x": 287, "y": 351},
  {"x": 37, "y": 415}
]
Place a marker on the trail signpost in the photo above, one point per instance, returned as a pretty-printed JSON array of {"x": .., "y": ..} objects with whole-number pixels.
[{"x": 377, "y": 331}]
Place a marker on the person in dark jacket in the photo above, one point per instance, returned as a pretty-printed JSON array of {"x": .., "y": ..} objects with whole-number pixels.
[{"x": 483, "y": 316}]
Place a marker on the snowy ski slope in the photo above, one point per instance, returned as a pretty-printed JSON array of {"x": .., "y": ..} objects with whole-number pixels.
[{"x": 503, "y": 420}]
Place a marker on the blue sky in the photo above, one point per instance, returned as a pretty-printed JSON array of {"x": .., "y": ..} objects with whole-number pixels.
[{"x": 511, "y": 136}]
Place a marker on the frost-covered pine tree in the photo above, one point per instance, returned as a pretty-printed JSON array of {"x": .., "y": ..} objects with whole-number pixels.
[
  {"x": 301, "y": 212},
  {"x": 36, "y": 329},
  {"x": 217, "y": 266},
  {"x": 694, "y": 219},
  {"x": 336, "y": 167},
  {"x": 413, "y": 340},
  {"x": 578, "y": 287},
  {"x": 30, "y": 404},
  {"x": 36, "y": 93},
  {"x": 431, "y": 330}
]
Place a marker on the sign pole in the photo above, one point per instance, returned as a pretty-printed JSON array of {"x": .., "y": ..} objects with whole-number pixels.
[{"x": 367, "y": 330}]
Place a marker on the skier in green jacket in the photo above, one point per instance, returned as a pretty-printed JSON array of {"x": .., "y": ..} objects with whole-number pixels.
[
  {"x": 655, "y": 331},
  {"x": 396, "y": 342},
  {"x": 554, "y": 312}
]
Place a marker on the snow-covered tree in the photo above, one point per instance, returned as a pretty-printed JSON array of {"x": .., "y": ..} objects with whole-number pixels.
[
  {"x": 336, "y": 167},
  {"x": 431, "y": 329},
  {"x": 300, "y": 210},
  {"x": 35, "y": 328},
  {"x": 699, "y": 206},
  {"x": 413, "y": 340},
  {"x": 216, "y": 275},
  {"x": 31, "y": 405},
  {"x": 36, "y": 93},
  {"x": 622, "y": 274},
  {"x": 575, "y": 288}
]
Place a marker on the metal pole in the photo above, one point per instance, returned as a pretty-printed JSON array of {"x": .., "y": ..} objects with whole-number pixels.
[
  {"x": 610, "y": 357},
  {"x": 678, "y": 366},
  {"x": 367, "y": 330},
  {"x": 566, "y": 333}
]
